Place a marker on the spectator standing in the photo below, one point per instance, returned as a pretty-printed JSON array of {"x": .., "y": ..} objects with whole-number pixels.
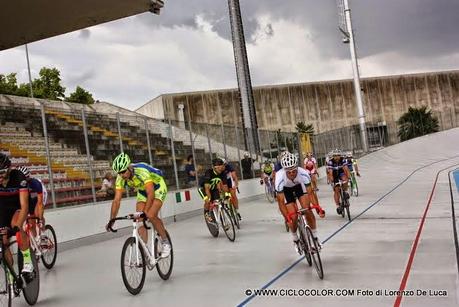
[
  {"x": 247, "y": 165},
  {"x": 190, "y": 171}
]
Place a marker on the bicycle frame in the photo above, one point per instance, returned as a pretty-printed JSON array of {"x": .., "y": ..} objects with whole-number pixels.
[
  {"x": 216, "y": 207},
  {"x": 138, "y": 241}
]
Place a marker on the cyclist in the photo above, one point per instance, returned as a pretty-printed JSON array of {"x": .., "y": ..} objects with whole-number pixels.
[
  {"x": 211, "y": 184},
  {"x": 232, "y": 183},
  {"x": 351, "y": 164},
  {"x": 37, "y": 197},
  {"x": 267, "y": 172},
  {"x": 310, "y": 165},
  {"x": 151, "y": 193},
  {"x": 14, "y": 206},
  {"x": 292, "y": 183},
  {"x": 338, "y": 171}
]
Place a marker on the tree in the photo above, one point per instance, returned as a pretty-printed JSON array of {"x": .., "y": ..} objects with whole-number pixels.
[
  {"x": 416, "y": 122},
  {"x": 48, "y": 86},
  {"x": 301, "y": 127},
  {"x": 81, "y": 96},
  {"x": 8, "y": 84}
]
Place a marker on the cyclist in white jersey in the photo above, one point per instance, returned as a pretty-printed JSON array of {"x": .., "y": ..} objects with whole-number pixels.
[{"x": 292, "y": 183}]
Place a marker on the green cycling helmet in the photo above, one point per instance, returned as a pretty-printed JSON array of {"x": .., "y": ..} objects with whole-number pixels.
[{"x": 121, "y": 163}]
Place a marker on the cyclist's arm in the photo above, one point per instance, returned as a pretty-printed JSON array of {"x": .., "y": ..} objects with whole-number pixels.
[
  {"x": 40, "y": 206},
  {"x": 280, "y": 198},
  {"x": 236, "y": 180},
  {"x": 24, "y": 202},
  {"x": 208, "y": 193},
  {"x": 312, "y": 195},
  {"x": 116, "y": 203},
  {"x": 356, "y": 168}
]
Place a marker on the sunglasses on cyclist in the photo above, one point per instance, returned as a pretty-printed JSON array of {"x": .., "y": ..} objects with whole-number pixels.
[
  {"x": 122, "y": 172},
  {"x": 291, "y": 171}
]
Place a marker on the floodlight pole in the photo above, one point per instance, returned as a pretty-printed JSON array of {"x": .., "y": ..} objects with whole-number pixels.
[
  {"x": 28, "y": 70},
  {"x": 355, "y": 69},
  {"x": 249, "y": 117}
]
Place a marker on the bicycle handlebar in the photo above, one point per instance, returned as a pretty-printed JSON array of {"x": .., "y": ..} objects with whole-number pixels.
[
  {"x": 301, "y": 211},
  {"x": 131, "y": 216}
]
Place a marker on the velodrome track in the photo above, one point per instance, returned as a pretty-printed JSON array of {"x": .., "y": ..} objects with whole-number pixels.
[{"x": 370, "y": 253}]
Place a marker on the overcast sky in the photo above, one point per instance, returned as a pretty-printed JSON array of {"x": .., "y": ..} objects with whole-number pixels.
[{"x": 188, "y": 47}]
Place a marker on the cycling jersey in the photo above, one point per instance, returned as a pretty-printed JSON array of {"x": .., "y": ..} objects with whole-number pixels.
[
  {"x": 9, "y": 196},
  {"x": 142, "y": 174},
  {"x": 310, "y": 166},
  {"x": 213, "y": 179},
  {"x": 337, "y": 168},
  {"x": 292, "y": 189},
  {"x": 268, "y": 169},
  {"x": 36, "y": 187}
]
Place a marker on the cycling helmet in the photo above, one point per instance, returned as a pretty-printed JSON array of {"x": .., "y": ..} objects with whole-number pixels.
[
  {"x": 223, "y": 159},
  {"x": 289, "y": 161},
  {"x": 25, "y": 170},
  {"x": 5, "y": 162},
  {"x": 218, "y": 161},
  {"x": 337, "y": 152},
  {"x": 121, "y": 163}
]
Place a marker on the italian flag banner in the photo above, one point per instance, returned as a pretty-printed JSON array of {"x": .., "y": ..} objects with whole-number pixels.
[{"x": 182, "y": 196}]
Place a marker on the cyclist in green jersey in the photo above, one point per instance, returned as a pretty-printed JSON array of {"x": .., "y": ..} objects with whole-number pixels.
[
  {"x": 151, "y": 193},
  {"x": 267, "y": 172}
]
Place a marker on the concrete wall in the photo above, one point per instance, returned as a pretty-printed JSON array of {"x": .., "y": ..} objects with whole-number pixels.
[
  {"x": 74, "y": 223},
  {"x": 326, "y": 105},
  {"x": 153, "y": 108}
]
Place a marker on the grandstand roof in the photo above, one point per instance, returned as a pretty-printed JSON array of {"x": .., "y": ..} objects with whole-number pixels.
[{"x": 25, "y": 21}]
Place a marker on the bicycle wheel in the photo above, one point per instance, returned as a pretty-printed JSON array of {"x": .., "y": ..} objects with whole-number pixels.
[
  {"x": 227, "y": 224},
  {"x": 356, "y": 192},
  {"x": 233, "y": 213},
  {"x": 133, "y": 267},
  {"x": 32, "y": 286},
  {"x": 268, "y": 192},
  {"x": 315, "y": 253},
  {"x": 48, "y": 247},
  {"x": 5, "y": 290},
  {"x": 212, "y": 226},
  {"x": 346, "y": 206},
  {"x": 304, "y": 241},
  {"x": 164, "y": 265}
]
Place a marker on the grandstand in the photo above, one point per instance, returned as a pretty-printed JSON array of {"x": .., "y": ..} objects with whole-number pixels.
[{"x": 21, "y": 132}]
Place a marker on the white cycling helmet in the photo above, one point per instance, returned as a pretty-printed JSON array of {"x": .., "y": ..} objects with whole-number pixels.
[
  {"x": 289, "y": 161},
  {"x": 25, "y": 170}
]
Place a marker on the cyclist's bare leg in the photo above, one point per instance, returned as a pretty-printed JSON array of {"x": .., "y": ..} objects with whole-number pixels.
[
  {"x": 7, "y": 253},
  {"x": 345, "y": 180},
  {"x": 234, "y": 198},
  {"x": 140, "y": 207},
  {"x": 24, "y": 244},
  {"x": 336, "y": 195},
  {"x": 310, "y": 218},
  {"x": 152, "y": 214}
]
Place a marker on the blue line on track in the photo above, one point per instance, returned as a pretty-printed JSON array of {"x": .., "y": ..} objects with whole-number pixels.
[
  {"x": 278, "y": 276},
  {"x": 456, "y": 179}
]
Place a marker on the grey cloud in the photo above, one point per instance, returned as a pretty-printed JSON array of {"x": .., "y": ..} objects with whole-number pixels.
[{"x": 416, "y": 27}]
